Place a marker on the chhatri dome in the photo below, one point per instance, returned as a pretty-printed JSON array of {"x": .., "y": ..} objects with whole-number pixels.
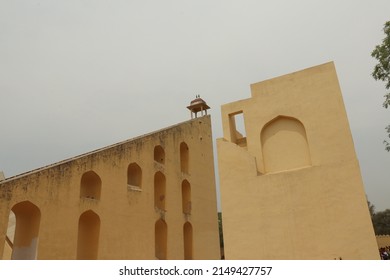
[{"x": 198, "y": 105}]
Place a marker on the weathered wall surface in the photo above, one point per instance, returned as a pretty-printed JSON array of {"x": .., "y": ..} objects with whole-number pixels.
[
  {"x": 121, "y": 215},
  {"x": 383, "y": 241},
  {"x": 290, "y": 184}
]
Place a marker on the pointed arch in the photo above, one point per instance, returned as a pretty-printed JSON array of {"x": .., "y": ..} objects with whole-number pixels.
[
  {"x": 284, "y": 145},
  {"x": 90, "y": 185},
  {"x": 134, "y": 175},
  {"x": 160, "y": 239},
  {"x": 186, "y": 197},
  {"x": 184, "y": 157},
  {"x": 159, "y": 154},
  {"x": 26, "y": 235},
  {"x": 187, "y": 237},
  {"x": 159, "y": 190},
  {"x": 88, "y": 236}
]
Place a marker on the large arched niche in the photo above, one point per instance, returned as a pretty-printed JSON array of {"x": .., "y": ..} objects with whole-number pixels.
[
  {"x": 184, "y": 157},
  {"x": 284, "y": 145},
  {"x": 25, "y": 241},
  {"x": 90, "y": 185},
  {"x": 160, "y": 239},
  {"x": 187, "y": 237},
  {"x": 159, "y": 191},
  {"x": 88, "y": 236}
]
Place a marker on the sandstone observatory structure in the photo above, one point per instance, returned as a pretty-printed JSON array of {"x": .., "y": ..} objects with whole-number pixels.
[
  {"x": 289, "y": 178},
  {"x": 151, "y": 197},
  {"x": 290, "y": 181}
]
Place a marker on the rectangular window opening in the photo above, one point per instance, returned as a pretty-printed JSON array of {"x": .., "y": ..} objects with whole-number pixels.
[{"x": 237, "y": 128}]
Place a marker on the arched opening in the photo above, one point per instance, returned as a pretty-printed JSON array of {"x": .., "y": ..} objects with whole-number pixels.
[
  {"x": 187, "y": 236},
  {"x": 90, "y": 186},
  {"x": 186, "y": 197},
  {"x": 160, "y": 240},
  {"x": 184, "y": 157},
  {"x": 88, "y": 236},
  {"x": 159, "y": 154},
  {"x": 25, "y": 241},
  {"x": 284, "y": 144},
  {"x": 134, "y": 175},
  {"x": 159, "y": 190}
]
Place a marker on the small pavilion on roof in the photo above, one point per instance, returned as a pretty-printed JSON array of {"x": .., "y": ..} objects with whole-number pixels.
[{"x": 198, "y": 105}]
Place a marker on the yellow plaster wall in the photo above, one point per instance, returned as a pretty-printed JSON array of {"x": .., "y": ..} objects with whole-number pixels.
[
  {"x": 280, "y": 204},
  {"x": 127, "y": 215}
]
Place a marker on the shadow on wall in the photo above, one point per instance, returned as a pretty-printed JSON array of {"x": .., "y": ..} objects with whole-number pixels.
[
  {"x": 22, "y": 239},
  {"x": 284, "y": 145}
]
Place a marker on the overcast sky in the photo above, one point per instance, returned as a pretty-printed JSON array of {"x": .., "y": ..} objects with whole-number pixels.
[{"x": 77, "y": 75}]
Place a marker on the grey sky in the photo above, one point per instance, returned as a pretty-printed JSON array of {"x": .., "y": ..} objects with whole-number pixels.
[{"x": 79, "y": 75}]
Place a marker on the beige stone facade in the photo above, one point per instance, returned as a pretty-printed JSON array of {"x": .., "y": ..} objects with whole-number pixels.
[
  {"x": 290, "y": 181},
  {"x": 383, "y": 241},
  {"x": 152, "y": 197},
  {"x": 290, "y": 187}
]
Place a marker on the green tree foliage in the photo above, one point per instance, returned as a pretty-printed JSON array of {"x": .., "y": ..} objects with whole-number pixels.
[
  {"x": 382, "y": 69},
  {"x": 381, "y": 222},
  {"x": 221, "y": 236},
  {"x": 386, "y": 142},
  {"x": 371, "y": 208}
]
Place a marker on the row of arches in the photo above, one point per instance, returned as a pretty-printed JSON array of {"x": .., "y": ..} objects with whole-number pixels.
[
  {"x": 91, "y": 187},
  {"x": 160, "y": 193},
  {"x": 161, "y": 240},
  {"x": 159, "y": 156},
  {"x": 25, "y": 237},
  {"x": 91, "y": 183}
]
